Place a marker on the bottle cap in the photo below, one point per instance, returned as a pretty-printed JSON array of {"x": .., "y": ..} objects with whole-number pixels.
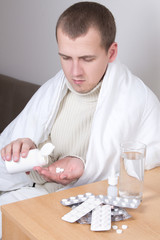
[
  {"x": 47, "y": 149},
  {"x": 113, "y": 180}
]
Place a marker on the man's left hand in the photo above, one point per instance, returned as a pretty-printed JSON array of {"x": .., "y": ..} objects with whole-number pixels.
[{"x": 73, "y": 170}]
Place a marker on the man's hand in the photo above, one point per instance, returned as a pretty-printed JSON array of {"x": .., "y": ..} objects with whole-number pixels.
[
  {"x": 17, "y": 148},
  {"x": 73, "y": 170}
]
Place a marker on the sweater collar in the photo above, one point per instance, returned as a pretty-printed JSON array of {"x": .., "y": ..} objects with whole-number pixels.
[{"x": 91, "y": 94}]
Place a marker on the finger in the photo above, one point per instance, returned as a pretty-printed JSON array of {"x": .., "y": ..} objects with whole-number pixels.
[
  {"x": 27, "y": 145},
  {"x": 7, "y": 152},
  {"x": 38, "y": 169},
  {"x": 42, "y": 171},
  {"x": 67, "y": 177},
  {"x": 16, "y": 149},
  {"x": 49, "y": 175},
  {"x": 63, "y": 176},
  {"x": 3, "y": 154},
  {"x": 72, "y": 175},
  {"x": 25, "y": 149},
  {"x": 65, "y": 181},
  {"x": 47, "y": 179}
]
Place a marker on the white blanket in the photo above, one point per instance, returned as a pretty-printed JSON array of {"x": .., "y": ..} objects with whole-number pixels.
[{"x": 126, "y": 110}]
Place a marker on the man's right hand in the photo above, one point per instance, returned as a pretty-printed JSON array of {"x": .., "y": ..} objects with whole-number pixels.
[{"x": 17, "y": 148}]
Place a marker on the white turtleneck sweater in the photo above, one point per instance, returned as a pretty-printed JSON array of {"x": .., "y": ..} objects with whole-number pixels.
[{"x": 71, "y": 130}]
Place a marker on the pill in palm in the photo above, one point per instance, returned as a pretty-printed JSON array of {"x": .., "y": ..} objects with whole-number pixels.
[{"x": 59, "y": 170}]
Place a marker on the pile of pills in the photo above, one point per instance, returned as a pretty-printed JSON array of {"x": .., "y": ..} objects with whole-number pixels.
[
  {"x": 119, "y": 230},
  {"x": 59, "y": 170}
]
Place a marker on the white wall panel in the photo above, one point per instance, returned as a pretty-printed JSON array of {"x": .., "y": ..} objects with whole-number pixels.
[{"x": 28, "y": 49}]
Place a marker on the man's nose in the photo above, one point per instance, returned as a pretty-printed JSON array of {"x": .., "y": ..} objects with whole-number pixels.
[{"x": 76, "y": 68}]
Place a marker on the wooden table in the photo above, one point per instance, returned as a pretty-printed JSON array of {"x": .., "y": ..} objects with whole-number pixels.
[{"x": 40, "y": 218}]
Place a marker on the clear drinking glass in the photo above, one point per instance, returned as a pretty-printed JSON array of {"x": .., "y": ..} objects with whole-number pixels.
[{"x": 132, "y": 170}]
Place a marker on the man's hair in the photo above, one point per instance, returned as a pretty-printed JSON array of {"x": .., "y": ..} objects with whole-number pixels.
[{"x": 76, "y": 20}]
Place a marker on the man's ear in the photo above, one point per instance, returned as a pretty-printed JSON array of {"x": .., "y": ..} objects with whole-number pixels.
[{"x": 112, "y": 52}]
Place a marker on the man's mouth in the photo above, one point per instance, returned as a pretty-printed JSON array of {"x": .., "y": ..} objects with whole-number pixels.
[{"x": 77, "y": 81}]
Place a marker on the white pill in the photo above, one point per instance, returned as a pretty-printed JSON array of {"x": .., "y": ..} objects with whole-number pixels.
[
  {"x": 132, "y": 205},
  {"x": 119, "y": 231},
  {"x": 124, "y": 226},
  {"x": 83, "y": 198},
  {"x": 80, "y": 196},
  {"x": 101, "y": 196},
  {"x": 120, "y": 212},
  {"x": 114, "y": 227},
  {"x": 88, "y": 194},
  {"x": 72, "y": 198},
  {"x": 59, "y": 170}
]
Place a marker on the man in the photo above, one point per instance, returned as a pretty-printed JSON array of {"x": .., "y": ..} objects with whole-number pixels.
[
  {"x": 86, "y": 111},
  {"x": 84, "y": 62}
]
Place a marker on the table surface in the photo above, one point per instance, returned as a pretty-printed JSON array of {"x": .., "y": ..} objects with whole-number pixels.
[{"x": 40, "y": 218}]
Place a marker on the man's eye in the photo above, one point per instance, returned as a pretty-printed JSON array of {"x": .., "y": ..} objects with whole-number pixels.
[
  {"x": 88, "y": 59},
  {"x": 65, "y": 58}
]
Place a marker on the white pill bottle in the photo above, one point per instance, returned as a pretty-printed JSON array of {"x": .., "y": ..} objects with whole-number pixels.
[
  {"x": 35, "y": 158},
  {"x": 112, "y": 185}
]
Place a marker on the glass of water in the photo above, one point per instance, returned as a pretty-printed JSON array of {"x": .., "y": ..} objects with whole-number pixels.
[{"x": 132, "y": 170}]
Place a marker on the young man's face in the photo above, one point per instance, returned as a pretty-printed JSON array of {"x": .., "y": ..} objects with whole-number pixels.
[{"x": 84, "y": 60}]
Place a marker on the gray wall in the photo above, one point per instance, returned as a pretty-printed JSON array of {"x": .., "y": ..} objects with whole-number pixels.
[{"x": 28, "y": 49}]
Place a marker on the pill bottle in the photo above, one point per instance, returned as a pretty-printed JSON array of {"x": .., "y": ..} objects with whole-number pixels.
[
  {"x": 112, "y": 185},
  {"x": 34, "y": 158}
]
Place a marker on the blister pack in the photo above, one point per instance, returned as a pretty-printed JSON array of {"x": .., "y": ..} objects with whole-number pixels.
[
  {"x": 85, "y": 219},
  {"x": 117, "y": 214},
  {"x": 76, "y": 199},
  {"x": 108, "y": 200},
  {"x": 119, "y": 201},
  {"x": 81, "y": 210},
  {"x": 101, "y": 218}
]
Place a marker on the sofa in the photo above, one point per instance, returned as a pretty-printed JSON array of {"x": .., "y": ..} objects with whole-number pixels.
[{"x": 14, "y": 95}]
